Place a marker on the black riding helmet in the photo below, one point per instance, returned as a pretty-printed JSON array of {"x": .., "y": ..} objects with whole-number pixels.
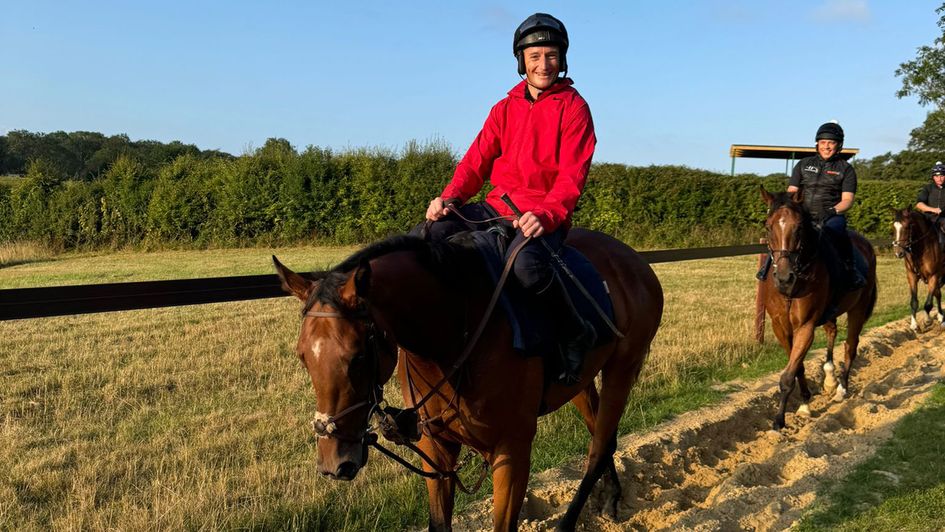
[
  {"x": 938, "y": 169},
  {"x": 540, "y": 29},
  {"x": 831, "y": 131}
]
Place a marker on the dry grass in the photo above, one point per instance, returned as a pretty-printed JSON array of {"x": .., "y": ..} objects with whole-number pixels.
[
  {"x": 197, "y": 417},
  {"x": 15, "y": 253}
]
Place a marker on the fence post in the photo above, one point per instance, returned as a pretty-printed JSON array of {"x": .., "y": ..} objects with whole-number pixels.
[{"x": 760, "y": 302}]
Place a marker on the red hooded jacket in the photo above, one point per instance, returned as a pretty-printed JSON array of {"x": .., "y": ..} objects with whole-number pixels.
[{"x": 537, "y": 152}]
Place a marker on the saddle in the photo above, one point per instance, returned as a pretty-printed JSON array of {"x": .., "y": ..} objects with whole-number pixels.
[{"x": 530, "y": 322}]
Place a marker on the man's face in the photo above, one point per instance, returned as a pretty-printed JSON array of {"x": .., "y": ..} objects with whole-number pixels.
[
  {"x": 541, "y": 65},
  {"x": 826, "y": 148},
  {"x": 939, "y": 179}
]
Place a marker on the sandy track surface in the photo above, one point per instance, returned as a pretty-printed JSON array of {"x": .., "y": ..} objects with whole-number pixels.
[{"x": 722, "y": 468}]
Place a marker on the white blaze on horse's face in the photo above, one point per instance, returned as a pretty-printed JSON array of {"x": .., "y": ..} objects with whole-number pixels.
[
  {"x": 898, "y": 226},
  {"x": 316, "y": 350},
  {"x": 784, "y": 234}
]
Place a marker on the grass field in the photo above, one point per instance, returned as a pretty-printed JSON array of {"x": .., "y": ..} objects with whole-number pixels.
[
  {"x": 902, "y": 487},
  {"x": 198, "y": 417}
]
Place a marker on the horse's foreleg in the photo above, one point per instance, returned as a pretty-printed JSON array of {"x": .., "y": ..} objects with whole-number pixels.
[
  {"x": 932, "y": 286},
  {"x": 441, "y": 492},
  {"x": 935, "y": 292},
  {"x": 830, "y": 381},
  {"x": 856, "y": 319},
  {"x": 510, "y": 464},
  {"x": 913, "y": 299},
  {"x": 804, "y": 409},
  {"x": 802, "y": 340},
  {"x": 938, "y": 299}
]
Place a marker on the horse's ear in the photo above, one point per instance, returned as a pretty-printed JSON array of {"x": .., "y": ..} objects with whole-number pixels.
[
  {"x": 357, "y": 286},
  {"x": 797, "y": 196},
  {"x": 292, "y": 282},
  {"x": 765, "y": 195}
]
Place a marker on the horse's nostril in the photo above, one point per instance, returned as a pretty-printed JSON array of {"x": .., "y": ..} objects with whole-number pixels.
[{"x": 346, "y": 471}]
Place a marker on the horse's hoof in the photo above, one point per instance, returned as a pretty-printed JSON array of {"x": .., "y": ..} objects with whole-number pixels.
[
  {"x": 803, "y": 410},
  {"x": 830, "y": 381},
  {"x": 840, "y": 395},
  {"x": 914, "y": 325}
]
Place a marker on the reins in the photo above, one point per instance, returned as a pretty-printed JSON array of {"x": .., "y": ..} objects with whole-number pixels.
[{"x": 326, "y": 427}]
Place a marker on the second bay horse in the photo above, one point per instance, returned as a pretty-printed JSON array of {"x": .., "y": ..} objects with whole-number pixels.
[
  {"x": 916, "y": 240},
  {"x": 798, "y": 291}
]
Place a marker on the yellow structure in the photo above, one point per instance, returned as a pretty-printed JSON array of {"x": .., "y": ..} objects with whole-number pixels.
[{"x": 788, "y": 153}]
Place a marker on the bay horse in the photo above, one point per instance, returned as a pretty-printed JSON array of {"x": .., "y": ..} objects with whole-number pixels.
[
  {"x": 798, "y": 291},
  {"x": 916, "y": 240},
  {"x": 411, "y": 303}
]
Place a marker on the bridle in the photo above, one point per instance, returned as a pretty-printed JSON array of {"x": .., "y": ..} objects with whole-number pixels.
[
  {"x": 401, "y": 425},
  {"x": 794, "y": 256},
  {"x": 327, "y": 426},
  {"x": 907, "y": 247}
]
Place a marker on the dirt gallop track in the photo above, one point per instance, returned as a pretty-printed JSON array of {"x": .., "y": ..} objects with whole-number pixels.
[{"x": 723, "y": 468}]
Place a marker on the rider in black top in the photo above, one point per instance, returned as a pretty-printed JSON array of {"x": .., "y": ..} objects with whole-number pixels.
[
  {"x": 931, "y": 200},
  {"x": 828, "y": 184}
]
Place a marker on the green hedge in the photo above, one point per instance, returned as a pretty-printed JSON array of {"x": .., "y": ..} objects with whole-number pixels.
[{"x": 278, "y": 195}]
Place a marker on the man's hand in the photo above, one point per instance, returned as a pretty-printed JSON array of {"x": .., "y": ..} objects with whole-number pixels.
[
  {"x": 437, "y": 209},
  {"x": 530, "y": 225}
]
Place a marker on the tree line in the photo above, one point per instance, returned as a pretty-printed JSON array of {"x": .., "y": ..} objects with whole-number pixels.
[
  {"x": 86, "y": 155},
  {"x": 280, "y": 195}
]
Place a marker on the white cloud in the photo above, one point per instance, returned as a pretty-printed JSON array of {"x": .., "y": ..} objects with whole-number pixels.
[{"x": 842, "y": 11}]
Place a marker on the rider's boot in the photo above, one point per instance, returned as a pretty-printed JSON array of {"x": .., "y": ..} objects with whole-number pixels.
[
  {"x": 575, "y": 334},
  {"x": 855, "y": 279},
  {"x": 765, "y": 266}
]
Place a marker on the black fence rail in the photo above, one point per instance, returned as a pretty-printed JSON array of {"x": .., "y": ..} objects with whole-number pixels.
[{"x": 21, "y": 303}]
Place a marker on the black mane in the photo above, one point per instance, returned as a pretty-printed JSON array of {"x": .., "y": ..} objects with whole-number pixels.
[
  {"x": 451, "y": 262},
  {"x": 785, "y": 199}
]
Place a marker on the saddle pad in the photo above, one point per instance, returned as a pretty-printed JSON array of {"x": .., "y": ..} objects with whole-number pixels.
[{"x": 530, "y": 322}]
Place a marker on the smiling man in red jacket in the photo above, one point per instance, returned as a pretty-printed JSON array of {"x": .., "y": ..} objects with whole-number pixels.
[{"x": 536, "y": 146}]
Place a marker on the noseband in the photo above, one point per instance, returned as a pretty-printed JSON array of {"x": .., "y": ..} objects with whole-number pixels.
[
  {"x": 397, "y": 425},
  {"x": 907, "y": 247},
  {"x": 798, "y": 268},
  {"x": 325, "y": 426}
]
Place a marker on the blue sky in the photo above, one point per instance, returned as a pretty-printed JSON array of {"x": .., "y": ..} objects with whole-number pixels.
[{"x": 672, "y": 82}]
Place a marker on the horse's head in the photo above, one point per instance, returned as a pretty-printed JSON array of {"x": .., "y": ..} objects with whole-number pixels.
[
  {"x": 903, "y": 227},
  {"x": 787, "y": 226},
  {"x": 347, "y": 358}
]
